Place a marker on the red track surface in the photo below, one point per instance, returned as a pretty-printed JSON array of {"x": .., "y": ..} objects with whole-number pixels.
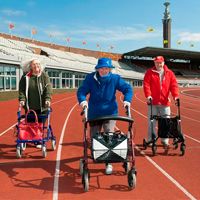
[{"x": 160, "y": 177}]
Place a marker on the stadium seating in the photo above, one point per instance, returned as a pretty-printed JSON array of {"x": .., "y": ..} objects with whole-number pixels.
[{"x": 19, "y": 51}]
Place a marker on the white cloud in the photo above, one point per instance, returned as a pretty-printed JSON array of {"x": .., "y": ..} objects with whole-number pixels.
[
  {"x": 56, "y": 34},
  {"x": 113, "y": 34},
  {"x": 9, "y": 12},
  {"x": 189, "y": 37}
]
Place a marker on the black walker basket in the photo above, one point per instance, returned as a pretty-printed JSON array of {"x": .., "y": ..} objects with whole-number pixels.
[
  {"x": 168, "y": 127},
  {"x": 109, "y": 148}
]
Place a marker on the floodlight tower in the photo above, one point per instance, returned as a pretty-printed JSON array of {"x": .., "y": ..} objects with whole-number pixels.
[{"x": 166, "y": 26}]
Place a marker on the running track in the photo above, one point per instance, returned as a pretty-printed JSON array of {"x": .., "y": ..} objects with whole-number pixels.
[{"x": 57, "y": 176}]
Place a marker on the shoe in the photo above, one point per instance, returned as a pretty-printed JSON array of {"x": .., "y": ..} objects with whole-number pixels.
[
  {"x": 109, "y": 169},
  {"x": 38, "y": 146},
  {"x": 147, "y": 143},
  {"x": 23, "y": 146},
  {"x": 165, "y": 145},
  {"x": 150, "y": 144},
  {"x": 165, "y": 141}
]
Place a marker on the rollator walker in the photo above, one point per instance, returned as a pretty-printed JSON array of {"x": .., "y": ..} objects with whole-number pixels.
[
  {"x": 169, "y": 126},
  {"x": 108, "y": 147},
  {"x": 35, "y": 129}
]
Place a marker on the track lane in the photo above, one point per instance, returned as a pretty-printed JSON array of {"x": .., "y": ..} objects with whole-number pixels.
[
  {"x": 183, "y": 163},
  {"x": 36, "y": 175},
  {"x": 31, "y": 174},
  {"x": 110, "y": 187}
]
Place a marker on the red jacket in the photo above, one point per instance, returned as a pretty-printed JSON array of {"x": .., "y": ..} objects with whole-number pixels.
[{"x": 160, "y": 93}]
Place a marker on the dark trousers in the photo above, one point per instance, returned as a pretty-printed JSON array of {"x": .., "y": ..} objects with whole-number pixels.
[{"x": 42, "y": 116}]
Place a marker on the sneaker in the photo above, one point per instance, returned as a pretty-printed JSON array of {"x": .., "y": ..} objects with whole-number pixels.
[
  {"x": 23, "y": 146},
  {"x": 38, "y": 146},
  {"x": 165, "y": 141},
  {"x": 109, "y": 169},
  {"x": 165, "y": 145},
  {"x": 149, "y": 144}
]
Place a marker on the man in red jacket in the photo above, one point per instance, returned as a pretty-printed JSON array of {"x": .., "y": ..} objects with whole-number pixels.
[{"x": 159, "y": 82}]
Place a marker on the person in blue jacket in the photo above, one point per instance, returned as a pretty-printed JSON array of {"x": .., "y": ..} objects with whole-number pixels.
[{"x": 102, "y": 86}]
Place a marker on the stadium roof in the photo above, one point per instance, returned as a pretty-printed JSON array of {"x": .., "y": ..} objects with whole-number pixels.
[{"x": 166, "y": 52}]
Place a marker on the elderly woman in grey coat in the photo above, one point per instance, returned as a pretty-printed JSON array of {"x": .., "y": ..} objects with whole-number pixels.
[{"x": 34, "y": 87}]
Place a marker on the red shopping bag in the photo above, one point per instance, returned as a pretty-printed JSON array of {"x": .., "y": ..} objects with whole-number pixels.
[{"x": 30, "y": 130}]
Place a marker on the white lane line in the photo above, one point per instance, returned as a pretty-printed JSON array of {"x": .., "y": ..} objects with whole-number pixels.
[
  {"x": 58, "y": 157},
  {"x": 139, "y": 113},
  {"x": 2, "y": 133},
  {"x": 191, "y": 119},
  {"x": 192, "y": 139},
  {"x": 66, "y": 98},
  {"x": 161, "y": 170},
  {"x": 182, "y": 106},
  {"x": 184, "y": 92},
  {"x": 176, "y": 183},
  {"x": 192, "y": 109},
  {"x": 7, "y": 129}
]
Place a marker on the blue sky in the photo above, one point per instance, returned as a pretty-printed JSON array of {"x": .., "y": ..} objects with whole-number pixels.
[{"x": 121, "y": 24}]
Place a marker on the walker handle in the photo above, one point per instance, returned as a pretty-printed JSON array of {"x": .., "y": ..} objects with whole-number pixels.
[
  {"x": 85, "y": 112},
  {"x": 19, "y": 112},
  {"x": 151, "y": 116},
  {"x": 177, "y": 103},
  {"x": 128, "y": 111}
]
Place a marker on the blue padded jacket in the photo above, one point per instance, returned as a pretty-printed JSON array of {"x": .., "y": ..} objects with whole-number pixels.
[{"x": 102, "y": 94}]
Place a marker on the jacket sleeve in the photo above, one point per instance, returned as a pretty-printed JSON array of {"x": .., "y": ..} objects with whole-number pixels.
[
  {"x": 146, "y": 84},
  {"x": 83, "y": 90},
  {"x": 126, "y": 89},
  {"x": 174, "y": 86},
  {"x": 47, "y": 88},
  {"x": 22, "y": 89}
]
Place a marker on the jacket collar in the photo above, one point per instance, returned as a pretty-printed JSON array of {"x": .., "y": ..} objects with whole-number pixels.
[
  {"x": 29, "y": 74},
  {"x": 166, "y": 69},
  {"x": 95, "y": 77}
]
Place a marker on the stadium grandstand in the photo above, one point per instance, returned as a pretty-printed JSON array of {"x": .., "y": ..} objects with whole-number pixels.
[
  {"x": 185, "y": 64},
  {"x": 68, "y": 66}
]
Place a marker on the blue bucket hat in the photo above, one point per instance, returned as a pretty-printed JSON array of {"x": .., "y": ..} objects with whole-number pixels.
[{"x": 104, "y": 62}]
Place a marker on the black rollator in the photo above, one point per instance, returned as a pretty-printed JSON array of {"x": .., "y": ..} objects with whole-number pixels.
[{"x": 169, "y": 126}]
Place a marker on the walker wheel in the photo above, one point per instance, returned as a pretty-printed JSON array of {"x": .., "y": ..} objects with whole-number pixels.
[
  {"x": 144, "y": 144},
  {"x": 19, "y": 151},
  {"x": 154, "y": 149},
  {"x": 85, "y": 180},
  {"x": 44, "y": 151},
  {"x": 182, "y": 148},
  {"x": 81, "y": 166},
  {"x": 53, "y": 144},
  {"x": 126, "y": 166},
  {"x": 175, "y": 145},
  {"x": 166, "y": 148},
  {"x": 23, "y": 146},
  {"x": 132, "y": 179}
]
